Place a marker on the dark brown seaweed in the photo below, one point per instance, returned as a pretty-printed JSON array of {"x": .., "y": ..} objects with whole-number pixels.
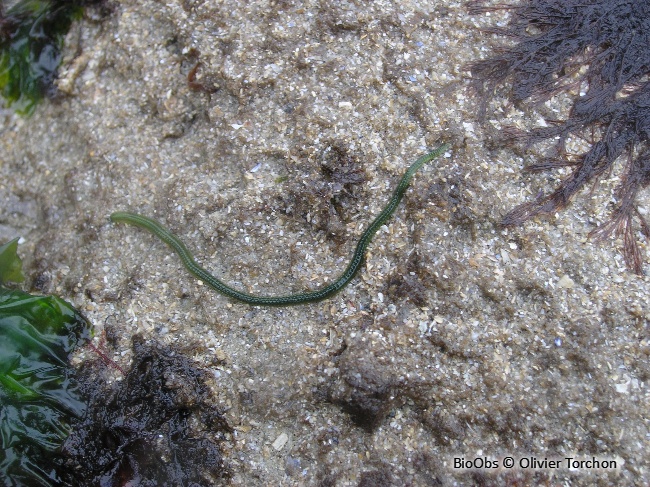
[{"x": 601, "y": 50}]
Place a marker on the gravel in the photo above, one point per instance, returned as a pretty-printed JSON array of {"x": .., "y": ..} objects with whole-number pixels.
[{"x": 458, "y": 340}]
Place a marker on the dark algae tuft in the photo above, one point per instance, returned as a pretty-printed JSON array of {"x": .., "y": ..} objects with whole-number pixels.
[
  {"x": 62, "y": 427},
  {"x": 38, "y": 394},
  {"x": 31, "y": 37},
  {"x": 154, "y": 428},
  {"x": 599, "y": 52}
]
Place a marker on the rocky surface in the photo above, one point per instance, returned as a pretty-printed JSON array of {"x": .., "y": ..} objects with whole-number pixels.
[{"x": 267, "y": 135}]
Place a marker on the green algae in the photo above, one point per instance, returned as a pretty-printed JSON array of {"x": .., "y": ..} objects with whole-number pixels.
[
  {"x": 11, "y": 267},
  {"x": 38, "y": 393},
  {"x": 31, "y": 37}
]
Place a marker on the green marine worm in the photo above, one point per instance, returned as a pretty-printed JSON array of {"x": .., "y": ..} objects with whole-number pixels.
[{"x": 292, "y": 299}]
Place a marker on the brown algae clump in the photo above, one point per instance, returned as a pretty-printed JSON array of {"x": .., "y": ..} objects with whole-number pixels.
[{"x": 598, "y": 49}]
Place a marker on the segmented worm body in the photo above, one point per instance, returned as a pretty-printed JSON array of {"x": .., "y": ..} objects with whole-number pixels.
[{"x": 292, "y": 299}]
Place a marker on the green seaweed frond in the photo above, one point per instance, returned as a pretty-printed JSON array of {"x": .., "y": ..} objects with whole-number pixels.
[
  {"x": 38, "y": 394},
  {"x": 31, "y": 37},
  {"x": 11, "y": 267}
]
